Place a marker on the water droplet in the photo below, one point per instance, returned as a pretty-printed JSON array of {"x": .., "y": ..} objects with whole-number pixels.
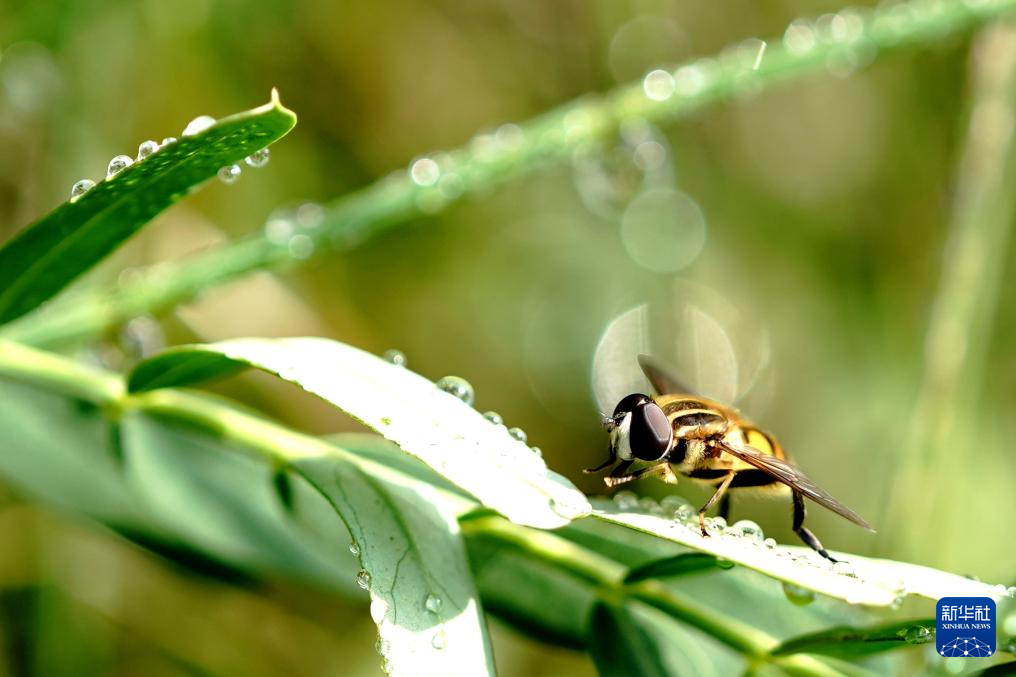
[
  {"x": 198, "y": 125},
  {"x": 799, "y": 38},
  {"x": 917, "y": 635},
  {"x": 770, "y": 543},
  {"x": 537, "y": 451},
  {"x": 649, "y": 505},
  {"x": 716, "y": 523},
  {"x": 658, "y": 85},
  {"x": 671, "y": 503},
  {"x": 382, "y": 646},
  {"x": 626, "y": 500},
  {"x": 459, "y": 387},
  {"x": 396, "y": 357},
  {"x": 798, "y": 595},
  {"x": 685, "y": 514},
  {"x": 81, "y": 187},
  {"x": 748, "y": 530},
  {"x": 378, "y": 609},
  {"x": 354, "y": 548},
  {"x": 724, "y": 563},
  {"x": 258, "y": 158},
  {"x": 424, "y": 172},
  {"x": 147, "y": 148},
  {"x": 439, "y": 640},
  {"x": 518, "y": 434},
  {"x": 301, "y": 246},
  {"x": 567, "y": 507},
  {"x": 433, "y": 603},
  {"x": 897, "y": 603},
  {"x": 691, "y": 80},
  {"x": 118, "y": 164},
  {"x": 387, "y": 667},
  {"x": 509, "y": 136},
  {"x": 229, "y": 174},
  {"x": 167, "y": 141},
  {"x": 494, "y": 417},
  {"x": 363, "y": 579}
]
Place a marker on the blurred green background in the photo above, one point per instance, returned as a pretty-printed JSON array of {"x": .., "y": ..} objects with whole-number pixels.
[{"x": 810, "y": 220}]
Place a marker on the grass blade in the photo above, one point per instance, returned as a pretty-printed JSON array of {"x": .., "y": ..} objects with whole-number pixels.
[{"x": 52, "y": 252}]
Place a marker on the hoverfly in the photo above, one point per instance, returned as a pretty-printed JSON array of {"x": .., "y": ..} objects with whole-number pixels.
[{"x": 710, "y": 443}]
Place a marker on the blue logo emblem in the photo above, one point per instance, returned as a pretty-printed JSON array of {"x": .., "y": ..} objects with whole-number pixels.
[{"x": 965, "y": 627}]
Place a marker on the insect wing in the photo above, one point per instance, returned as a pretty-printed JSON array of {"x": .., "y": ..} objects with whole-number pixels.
[
  {"x": 795, "y": 479},
  {"x": 663, "y": 382}
]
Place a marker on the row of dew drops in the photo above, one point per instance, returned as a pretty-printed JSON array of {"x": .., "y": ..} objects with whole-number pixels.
[
  {"x": 463, "y": 390},
  {"x": 746, "y": 531},
  {"x": 843, "y": 31},
  {"x": 227, "y": 174}
]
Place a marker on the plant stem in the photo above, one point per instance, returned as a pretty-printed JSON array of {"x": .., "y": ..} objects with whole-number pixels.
[
  {"x": 279, "y": 445},
  {"x": 608, "y": 576},
  {"x": 962, "y": 311},
  {"x": 849, "y": 40}
]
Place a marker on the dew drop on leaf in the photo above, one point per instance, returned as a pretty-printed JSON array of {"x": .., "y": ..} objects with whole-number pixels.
[
  {"x": 439, "y": 640},
  {"x": 537, "y": 451},
  {"x": 724, "y": 563},
  {"x": 917, "y": 635},
  {"x": 198, "y": 125},
  {"x": 378, "y": 609},
  {"x": 229, "y": 174},
  {"x": 363, "y": 579},
  {"x": 147, "y": 148},
  {"x": 258, "y": 158},
  {"x": 770, "y": 543},
  {"x": 518, "y": 434},
  {"x": 118, "y": 164},
  {"x": 433, "y": 603},
  {"x": 459, "y": 387},
  {"x": 798, "y": 595},
  {"x": 424, "y": 172},
  {"x": 383, "y": 646},
  {"x": 494, "y": 417},
  {"x": 626, "y": 500},
  {"x": 748, "y": 530},
  {"x": 354, "y": 548},
  {"x": 396, "y": 357},
  {"x": 167, "y": 141},
  {"x": 81, "y": 187}
]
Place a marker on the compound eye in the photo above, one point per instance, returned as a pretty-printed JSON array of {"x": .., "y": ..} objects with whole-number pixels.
[
  {"x": 629, "y": 403},
  {"x": 650, "y": 434}
]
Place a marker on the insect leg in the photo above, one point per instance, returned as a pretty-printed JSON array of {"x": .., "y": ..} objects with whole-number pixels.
[
  {"x": 809, "y": 538},
  {"x": 724, "y": 509},
  {"x": 617, "y": 476},
  {"x": 720, "y": 490},
  {"x": 603, "y": 465}
]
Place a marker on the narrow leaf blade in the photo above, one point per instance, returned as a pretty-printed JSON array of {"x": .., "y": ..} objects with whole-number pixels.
[
  {"x": 853, "y": 642},
  {"x": 862, "y": 580},
  {"x": 52, "y": 252},
  {"x": 439, "y": 429}
]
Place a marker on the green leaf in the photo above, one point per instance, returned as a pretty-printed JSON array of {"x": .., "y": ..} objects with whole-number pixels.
[
  {"x": 851, "y": 642},
  {"x": 627, "y": 638},
  {"x": 857, "y": 580},
  {"x": 414, "y": 564},
  {"x": 432, "y": 425},
  {"x": 184, "y": 490},
  {"x": 49, "y": 254},
  {"x": 678, "y": 565}
]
